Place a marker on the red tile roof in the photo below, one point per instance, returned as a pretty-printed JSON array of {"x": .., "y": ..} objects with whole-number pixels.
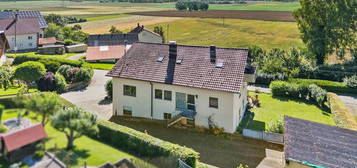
[
  {"x": 195, "y": 70},
  {"x": 48, "y": 40},
  {"x": 24, "y": 26},
  {"x": 23, "y": 137},
  {"x": 95, "y": 53}
]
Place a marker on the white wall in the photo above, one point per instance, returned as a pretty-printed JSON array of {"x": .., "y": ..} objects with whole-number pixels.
[
  {"x": 147, "y": 36},
  {"x": 226, "y": 116},
  {"x": 23, "y": 42}
]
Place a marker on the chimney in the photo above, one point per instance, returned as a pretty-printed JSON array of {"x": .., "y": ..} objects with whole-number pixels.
[
  {"x": 213, "y": 54},
  {"x": 172, "y": 50}
]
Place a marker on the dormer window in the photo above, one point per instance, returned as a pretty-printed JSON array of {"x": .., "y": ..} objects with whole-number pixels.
[
  {"x": 219, "y": 65},
  {"x": 160, "y": 59},
  {"x": 178, "y": 61}
]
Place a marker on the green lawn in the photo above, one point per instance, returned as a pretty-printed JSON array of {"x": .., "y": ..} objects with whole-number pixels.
[
  {"x": 13, "y": 90},
  {"x": 102, "y": 66},
  {"x": 234, "y": 33},
  {"x": 105, "y": 17},
  {"x": 88, "y": 150},
  {"x": 273, "y": 109},
  {"x": 36, "y": 54}
]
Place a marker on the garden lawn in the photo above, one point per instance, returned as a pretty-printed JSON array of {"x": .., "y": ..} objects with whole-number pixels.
[
  {"x": 66, "y": 55},
  {"x": 234, "y": 33},
  {"x": 102, "y": 66},
  {"x": 13, "y": 90},
  {"x": 274, "y": 109},
  {"x": 88, "y": 150}
]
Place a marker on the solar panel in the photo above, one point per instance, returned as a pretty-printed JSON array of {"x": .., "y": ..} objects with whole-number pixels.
[{"x": 160, "y": 59}]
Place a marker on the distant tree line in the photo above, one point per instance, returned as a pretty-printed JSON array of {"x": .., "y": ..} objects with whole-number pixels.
[{"x": 191, "y": 6}]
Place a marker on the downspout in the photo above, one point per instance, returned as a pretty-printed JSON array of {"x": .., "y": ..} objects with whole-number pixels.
[{"x": 151, "y": 100}]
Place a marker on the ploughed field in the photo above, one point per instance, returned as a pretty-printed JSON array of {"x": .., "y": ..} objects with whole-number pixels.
[{"x": 281, "y": 16}]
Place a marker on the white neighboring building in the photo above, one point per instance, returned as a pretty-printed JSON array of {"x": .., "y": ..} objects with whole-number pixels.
[
  {"x": 27, "y": 31},
  {"x": 146, "y": 35},
  {"x": 161, "y": 81}
]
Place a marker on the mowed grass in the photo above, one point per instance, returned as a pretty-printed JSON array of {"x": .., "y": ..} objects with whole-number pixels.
[
  {"x": 232, "y": 33},
  {"x": 66, "y": 55},
  {"x": 102, "y": 66},
  {"x": 13, "y": 90},
  {"x": 88, "y": 150},
  {"x": 105, "y": 17},
  {"x": 274, "y": 109}
]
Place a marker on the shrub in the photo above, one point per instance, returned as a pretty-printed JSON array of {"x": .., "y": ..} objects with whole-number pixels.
[
  {"x": 341, "y": 115},
  {"x": 266, "y": 79},
  {"x": 84, "y": 74},
  {"x": 60, "y": 83},
  {"x": 2, "y": 108},
  {"x": 143, "y": 144},
  {"x": 3, "y": 129},
  {"x": 39, "y": 155},
  {"x": 62, "y": 61},
  {"x": 331, "y": 86},
  {"x": 47, "y": 82},
  {"x": 109, "y": 89},
  {"x": 276, "y": 127},
  {"x": 68, "y": 72},
  {"x": 351, "y": 81},
  {"x": 63, "y": 69},
  {"x": 50, "y": 65},
  {"x": 29, "y": 71},
  {"x": 304, "y": 91}
]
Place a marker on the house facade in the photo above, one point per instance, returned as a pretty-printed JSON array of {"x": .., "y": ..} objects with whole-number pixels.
[
  {"x": 203, "y": 84},
  {"x": 4, "y": 45},
  {"x": 146, "y": 35}
]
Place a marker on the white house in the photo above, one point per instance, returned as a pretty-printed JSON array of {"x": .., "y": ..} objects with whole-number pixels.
[
  {"x": 4, "y": 45},
  {"x": 162, "y": 81},
  {"x": 146, "y": 35}
]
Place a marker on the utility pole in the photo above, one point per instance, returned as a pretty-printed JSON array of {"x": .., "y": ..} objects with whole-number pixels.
[{"x": 16, "y": 15}]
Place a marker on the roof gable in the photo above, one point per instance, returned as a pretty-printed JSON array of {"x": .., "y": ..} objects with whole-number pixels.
[
  {"x": 23, "y": 26},
  {"x": 195, "y": 70},
  {"x": 23, "y": 137},
  {"x": 319, "y": 144}
]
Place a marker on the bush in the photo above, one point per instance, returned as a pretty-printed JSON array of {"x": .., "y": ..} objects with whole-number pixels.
[
  {"x": 341, "y": 115},
  {"x": 84, "y": 74},
  {"x": 331, "y": 86},
  {"x": 304, "y": 91},
  {"x": 143, "y": 144},
  {"x": 60, "y": 83},
  {"x": 68, "y": 72},
  {"x": 47, "y": 82},
  {"x": 50, "y": 65},
  {"x": 266, "y": 79},
  {"x": 29, "y": 71},
  {"x": 276, "y": 127},
  {"x": 10, "y": 102},
  {"x": 39, "y": 155},
  {"x": 2, "y": 108},
  {"x": 3, "y": 129},
  {"x": 351, "y": 81},
  {"x": 62, "y": 61},
  {"x": 109, "y": 89}
]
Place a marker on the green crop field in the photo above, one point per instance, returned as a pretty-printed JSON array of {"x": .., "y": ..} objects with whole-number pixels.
[{"x": 234, "y": 33}]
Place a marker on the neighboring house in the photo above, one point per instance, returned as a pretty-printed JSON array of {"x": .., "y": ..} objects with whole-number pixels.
[
  {"x": 4, "y": 45},
  {"x": 49, "y": 41},
  {"x": 18, "y": 144},
  {"x": 311, "y": 144},
  {"x": 27, "y": 33},
  {"x": 168, "y": 81},
  {"x": 146, "y": 35},
  {"x": 108, "y": 47}
]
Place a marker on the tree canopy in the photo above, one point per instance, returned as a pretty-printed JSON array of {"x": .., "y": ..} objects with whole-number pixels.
[
  {"x": 328, "y": 26},
  {"x": 74, "y": 123},
  {"x": 29, "y": 71},
  {"x": 159, "y": 30},
  {"x": 5, "y": 77}
]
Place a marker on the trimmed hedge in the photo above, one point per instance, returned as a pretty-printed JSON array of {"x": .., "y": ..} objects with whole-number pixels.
[
  {"x": 326, "y": 75},
  {"x": 266, "y": 79},
  {"x": 331, "y": 86},
  {"x": 143, "y": 144},
  {"x": 62, "y": 61},
  {"x": 299, "y": 91},
  {"x": 341, "y": 115}
]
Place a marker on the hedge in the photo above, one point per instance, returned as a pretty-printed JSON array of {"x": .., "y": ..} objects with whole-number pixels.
[
  {"x": 143, "y": 144},
  {"x": 266, "y": 79},
  {"x": 341, "y": 115},
  {"x": 62, "y": 61},
  {"x": 326, "y": 75},
  {"x": 331, "y": 86}
]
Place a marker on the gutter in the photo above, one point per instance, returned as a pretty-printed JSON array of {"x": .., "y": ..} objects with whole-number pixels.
[{"x": 151, "y": 101}]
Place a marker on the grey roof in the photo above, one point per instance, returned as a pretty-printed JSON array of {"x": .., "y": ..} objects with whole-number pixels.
[
  {"x": 5, "y": 14},
  {"x": 139, "y": 28},
  {"x": 319, "y": 144},
  {"x": 23, "y": 26},
  {"x": 112, "y": 39},
  {"x": 195, "y": 70}
]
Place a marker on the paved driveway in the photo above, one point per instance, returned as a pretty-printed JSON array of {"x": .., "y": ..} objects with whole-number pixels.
[{"x": 91, "y": 99}]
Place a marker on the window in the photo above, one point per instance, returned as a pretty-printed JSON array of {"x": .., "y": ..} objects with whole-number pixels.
[
  {"x": 127, "y": 111},
  {"x": 167, "y": 95},
  {"x": 213, "y": 102},
  {"x": 167, "y": 116},
  {"x": 191, "y": 102},
  {"x": 29, "y": 37},
  {"x": 158, "y": 94},
  {"x": 129, "y": 90}
]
